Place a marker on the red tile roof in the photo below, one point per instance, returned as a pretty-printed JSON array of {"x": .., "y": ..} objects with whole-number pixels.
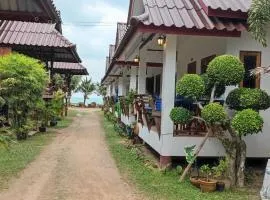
[
  {"x": 233, "y": 5},
  {"x": 74, "y": 68},
  {"x": 30, "y": 33},
  {"x": 184, "y": 14}
]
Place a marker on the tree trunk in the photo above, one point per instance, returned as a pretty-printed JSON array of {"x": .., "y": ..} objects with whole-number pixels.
[
  {"x": 195, "y": 155},
  {"x": 84, "y": 100},
  {"x": 241, "y": 163},
  {"x": 231, "y": 156}
]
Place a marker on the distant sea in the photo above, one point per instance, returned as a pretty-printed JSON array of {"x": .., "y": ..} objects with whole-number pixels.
[{"x": 91, "y": 99}]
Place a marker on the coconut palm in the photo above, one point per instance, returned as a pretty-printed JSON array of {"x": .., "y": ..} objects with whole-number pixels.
[
  {"x": 259, "y": 18},
  {"x": 87, "y": 87}
]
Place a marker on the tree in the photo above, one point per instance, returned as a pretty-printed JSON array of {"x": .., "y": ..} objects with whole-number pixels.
[
  {"x": 22, "y": 82},
  {"x": 101, "y": 90},
  {"x": 86, "y": 87},
  {"x": 230, "y": 129},
  {"x": 259, "y": 17},
  {"x": 75, "y": 83}
]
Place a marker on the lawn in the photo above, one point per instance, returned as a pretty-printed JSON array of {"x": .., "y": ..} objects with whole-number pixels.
[
  {"x": 153, "y": 183},
  {"x": 19, "y": 155}
]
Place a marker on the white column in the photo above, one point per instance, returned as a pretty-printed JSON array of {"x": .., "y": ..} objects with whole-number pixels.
[
  {"x": 121, "y": 87},
  {"x": 108, "y": 90},
  {"x": 142, "y": 78},
  {"x": 133, "y": 79},
  {"x": 113, "y": 89},
  {"x": 168, "y": 83}
]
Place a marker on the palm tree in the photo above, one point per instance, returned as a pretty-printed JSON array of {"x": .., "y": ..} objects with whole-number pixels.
[
  {"x": 101, "y": 90},
  {"x": 86, "y": 87},
  {"x": 259, "y": 18}
]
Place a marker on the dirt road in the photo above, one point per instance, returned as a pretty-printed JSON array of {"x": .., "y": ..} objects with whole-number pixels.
[{"x": 76, "y": 166}]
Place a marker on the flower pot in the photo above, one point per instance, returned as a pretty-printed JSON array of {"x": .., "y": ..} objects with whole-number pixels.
[
  {"x": 220, "y": 186},
  {"x": 208, "y": 186},
  {"x": 195, "y": 181},
  {"x": 21, "y": 136},
  {"x": 42, "y": 129}
]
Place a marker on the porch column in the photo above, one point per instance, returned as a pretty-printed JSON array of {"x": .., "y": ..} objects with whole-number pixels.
[
  {"x": 121, "y": 87},
  {"x": 133, "y": 79},
  {"x": 168, "y": 90},
  {"x": 108, "y": 90},
  {"x": 142, "y": 78},
  {"x": 113, "y": 89}
]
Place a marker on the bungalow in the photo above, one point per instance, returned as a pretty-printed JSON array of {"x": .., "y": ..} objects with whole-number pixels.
[{"x": 165, "y": 40}]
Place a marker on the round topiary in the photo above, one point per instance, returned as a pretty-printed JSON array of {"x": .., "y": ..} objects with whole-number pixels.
[
  {"x": 213, "y": 113},
  {"x": 247, "y": 122},
  {"x": 226, "y": 70},
  {"x": 220, "y": 89},
  {"x": 244, "y": 98},
  {"x": 191, "y": 86},
  {"x": 180, "y": 115}
]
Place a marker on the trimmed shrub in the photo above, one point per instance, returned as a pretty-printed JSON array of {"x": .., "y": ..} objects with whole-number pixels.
[
  {"x": 180, "y": 115},
  {"x": 244, "y": 98},
  {"x": 220, "y": 89},
  {"x": 214, "y": 113},
  {"x": 191, "y": 86},
  {"x": 226, "y": 70},
  {"x": 247, "y": 122}
]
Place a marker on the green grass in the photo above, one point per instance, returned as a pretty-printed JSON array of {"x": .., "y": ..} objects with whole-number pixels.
[
  {"x": 67, "y": 121},
  {"x": 153, "y": 183},
  {"x": 19, "y": 155}
]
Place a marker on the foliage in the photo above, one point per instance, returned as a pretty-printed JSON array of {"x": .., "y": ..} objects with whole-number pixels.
[
  {"x": 101, "y": 90},
  {"x": 214, "y": 113},
  {"x": 22, "y": 81},
  {"x": 151, "y": 182},
  {"x": 179, "y": 169},
  {"x": 75, "y": 82},
  {"x": 220, "y": 170},
  {"x": 190, "y": 154},
  {"x": 247, "y": 122},
  {"x": 207, "y": 171},
  {"x": 180, "y": 115},
  {"x": 117, "y": 108},
  {"x": 226, "y": 70},
  {"x": 244, "y": 98},
  {"x": 130, "y": 97},
  {"x": 58, "y": 82},
  {"x": 220, "y": 89},
  {"x": 86, "y": 87},
  {"x": 259, "y": 17},
  {"x": 191, "y": 86},
  {"x": 57, "y": 104}
]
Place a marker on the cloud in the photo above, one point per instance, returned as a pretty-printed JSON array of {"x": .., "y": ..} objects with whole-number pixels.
[{"x": 93, "y": 40}]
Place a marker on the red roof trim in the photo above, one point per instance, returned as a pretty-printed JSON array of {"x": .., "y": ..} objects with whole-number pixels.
[
  {"x": 185, "y": 31},
  {"x": 222, "y": 13},
  {"x": 152, "y": 64}
]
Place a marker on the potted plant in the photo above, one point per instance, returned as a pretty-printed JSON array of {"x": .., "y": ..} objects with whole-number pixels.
[
  {"x": 219, "y": 173},
  {"x": 42, "y": 128},
  {"x": 207, "y": 184}
]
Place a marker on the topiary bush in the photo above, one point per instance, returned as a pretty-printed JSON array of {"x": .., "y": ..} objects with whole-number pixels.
[
  {"x": 226, "y": 70},
  {"x": 214, "y": 113},
  {"x": 191, "y": 86},
  {"x": 247, "y": 122},
  {"x": 220, "y": 89},
  {"x": 180, "y": 115},
  {"x": 244, "y": 98}
]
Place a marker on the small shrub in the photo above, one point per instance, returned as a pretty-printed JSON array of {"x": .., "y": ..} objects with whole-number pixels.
[
  {"x": 214, "y": 113},
  {"x": 247, "y": 122},
  {"x": 244, "y": 98},
  {"x": 226, "y": 70},
  {"x": 179, "y": 169},
  {"x": 191, "y": 86},
  {"x": 180, "y": 115}
]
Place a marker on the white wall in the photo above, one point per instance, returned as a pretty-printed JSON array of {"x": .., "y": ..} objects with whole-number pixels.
[{"x": 257, "y": 145}]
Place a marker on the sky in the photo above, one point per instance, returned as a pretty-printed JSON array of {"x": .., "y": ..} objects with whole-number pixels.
[{"x": 91, "y": 25}]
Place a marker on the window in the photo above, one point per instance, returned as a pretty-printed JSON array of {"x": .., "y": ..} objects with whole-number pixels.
[
  {"x": 251, "y": 61},
  {"x": 192, "y": 68},
  {"x": 158, "y": 81},
  {"x": 150, "y": 85},
  {"x": 205, "y": 62}
]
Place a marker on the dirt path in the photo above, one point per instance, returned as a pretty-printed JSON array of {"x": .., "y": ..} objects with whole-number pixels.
[{"x": 76, "y": 166}]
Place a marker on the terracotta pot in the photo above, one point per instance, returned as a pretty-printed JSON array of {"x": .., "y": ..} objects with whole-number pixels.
[
  {"x": 195, "y": 181},
  {"x": 220, "y": 186},
  {"x": 136, "y": 129},
  {"x": 208, "y": 186}
]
